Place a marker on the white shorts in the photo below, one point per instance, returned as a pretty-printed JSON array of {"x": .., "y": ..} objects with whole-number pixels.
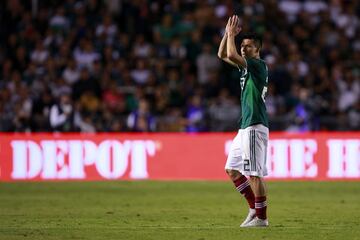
[{"x": 248, "y": 151}]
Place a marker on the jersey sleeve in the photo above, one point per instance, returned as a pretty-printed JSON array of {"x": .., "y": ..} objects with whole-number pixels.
[
  {"x": 254, "y": 65},
  {"x": 257, "y": 68}
]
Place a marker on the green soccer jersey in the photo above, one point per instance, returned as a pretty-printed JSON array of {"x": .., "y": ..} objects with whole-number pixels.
[{"x": 253, "y": 81}]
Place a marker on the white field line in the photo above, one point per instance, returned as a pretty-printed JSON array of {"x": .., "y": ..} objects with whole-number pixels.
[{"x": 183, "y": 227}]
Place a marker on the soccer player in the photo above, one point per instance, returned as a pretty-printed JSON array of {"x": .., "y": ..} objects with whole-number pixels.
[{"x": 247, "y": 156}]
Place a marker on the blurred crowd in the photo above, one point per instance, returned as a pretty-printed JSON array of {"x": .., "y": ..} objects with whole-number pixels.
[{"x": 144, "y": 65}]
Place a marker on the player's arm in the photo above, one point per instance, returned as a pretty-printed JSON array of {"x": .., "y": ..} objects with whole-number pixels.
[
  {"x": 231, "y": 52},
  {"x": 222, "y": 49}
]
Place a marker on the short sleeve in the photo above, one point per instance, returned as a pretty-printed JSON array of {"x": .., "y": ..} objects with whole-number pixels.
[
  {"x": 258, "y": 70},
  {"x": 254, "y": 65}
]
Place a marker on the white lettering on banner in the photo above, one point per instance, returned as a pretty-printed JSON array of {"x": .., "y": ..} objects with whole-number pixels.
[
  {"x": 90, "y": 152},
  {"x": 117, "y": 167},
  {"x": 27, "y": 159},
  {"x": 292, "y": 158},
  {"x": 138, "y": 158},
  {"x": 54, "y": 152},
  {"x": 344, "y": 158},
  {"x": 278, "y": 158},
  {"x": 76, "y": 162},
  {"x": 66, "y": 159},
  {"x": 302, "y": 158},
  {"x": 289, "y": 158}
]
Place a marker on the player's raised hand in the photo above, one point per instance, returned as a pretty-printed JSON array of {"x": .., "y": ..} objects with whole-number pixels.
[
  {"x": 227, "y": 26},
  {"x": 238, "y": 28},
  {"x": 233, "y": 26}
]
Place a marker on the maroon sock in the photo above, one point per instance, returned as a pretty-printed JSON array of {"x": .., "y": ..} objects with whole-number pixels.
[
  {"x": 243, "y": 186},
  {"x": 260, "y": 207}
]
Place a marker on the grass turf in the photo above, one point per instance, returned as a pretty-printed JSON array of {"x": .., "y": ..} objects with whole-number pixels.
[{"x": 175, "y": 210}]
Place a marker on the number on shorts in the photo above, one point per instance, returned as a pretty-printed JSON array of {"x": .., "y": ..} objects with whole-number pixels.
[{"x": 246, "y": 165}]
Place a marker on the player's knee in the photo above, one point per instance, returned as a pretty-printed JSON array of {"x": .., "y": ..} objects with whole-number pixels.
[
  {"x": 254, "y": 178},
  {"x": 233, "y": 174}
]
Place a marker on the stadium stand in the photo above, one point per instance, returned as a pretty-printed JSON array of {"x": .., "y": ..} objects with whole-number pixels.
[{"x": 139, "y": 65}]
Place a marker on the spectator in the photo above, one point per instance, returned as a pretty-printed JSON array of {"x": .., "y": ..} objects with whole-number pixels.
[
  {"x": 349, "y": 92},
  {"x": 141, "y": 73},
  {"x": 71, "y": 74},
  {"x": 195, "y": 115},
  {"x": 206, "y": 62},
  {"x": 41, "y": 112},
  {"x": 141, "y": 120},
  {"x": 107, "y": 28},
  {"x": 142, "y": 49},
  {"x": 59, "y": 22},
  {"x": 40, "y": 54},
  {"x": 85, "y": 83},
  {"x": 62, "y": 115},
  {"x": 85, "y": 55},
  {"x": 302, "y": 114},
  {"x": 223, "y": 112}
]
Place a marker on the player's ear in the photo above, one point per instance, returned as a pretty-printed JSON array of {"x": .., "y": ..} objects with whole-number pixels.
[{"x": 258, "y": 47}]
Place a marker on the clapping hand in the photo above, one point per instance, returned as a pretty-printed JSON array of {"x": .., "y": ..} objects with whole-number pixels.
[{"x": 233, "y": 26}]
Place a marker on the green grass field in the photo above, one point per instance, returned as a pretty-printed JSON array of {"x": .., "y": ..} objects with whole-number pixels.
[{"x": 175, "y": 210}]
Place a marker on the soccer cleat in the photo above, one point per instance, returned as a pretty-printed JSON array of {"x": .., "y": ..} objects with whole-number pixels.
[
  {"x": 257, "y": 222},
  {"x": 249, "y": 218}
]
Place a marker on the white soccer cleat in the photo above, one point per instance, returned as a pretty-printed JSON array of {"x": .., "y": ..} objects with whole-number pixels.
[
  {"x": 249, "y": 218},
  {"x": 257, "y": 222}
]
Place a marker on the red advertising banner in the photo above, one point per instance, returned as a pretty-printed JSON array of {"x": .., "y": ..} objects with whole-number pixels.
[{"x": 171, "y": 156}]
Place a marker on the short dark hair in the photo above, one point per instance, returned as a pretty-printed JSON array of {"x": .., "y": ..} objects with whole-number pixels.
[{"x": 253, "y": 36}]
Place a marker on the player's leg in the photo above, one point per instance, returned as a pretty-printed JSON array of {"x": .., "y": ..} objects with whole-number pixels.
[
  {"x": 259, "y": 188},
  {"x": 242, "y": 184},
  {"x": 255, "y": 144}
]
